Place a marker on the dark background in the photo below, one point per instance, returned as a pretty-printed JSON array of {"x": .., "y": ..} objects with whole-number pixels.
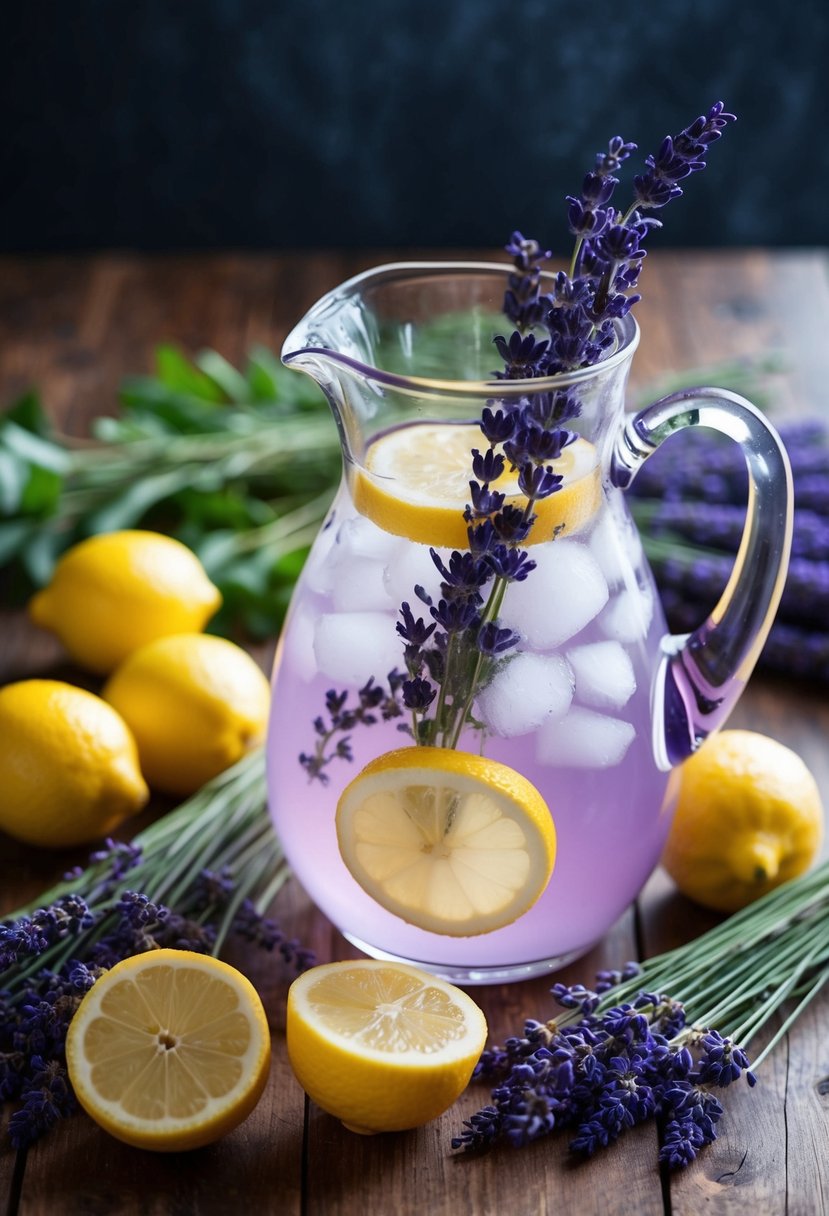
[{"x": 186, "y": 124}]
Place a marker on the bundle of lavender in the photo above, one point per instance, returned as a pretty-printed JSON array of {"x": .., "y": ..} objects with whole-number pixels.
[{"x": 690, "y": 508}]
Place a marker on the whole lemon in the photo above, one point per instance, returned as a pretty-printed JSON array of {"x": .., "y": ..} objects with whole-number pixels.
[
  {"x": 749, "y": 818},
  {"x": 195, "y": 704},
  {"x": 115, "y": 592},
  {"x": 68, "y": 765}
]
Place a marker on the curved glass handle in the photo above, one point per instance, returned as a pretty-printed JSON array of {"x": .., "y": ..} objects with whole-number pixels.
[{"x": 702, "y": 674}]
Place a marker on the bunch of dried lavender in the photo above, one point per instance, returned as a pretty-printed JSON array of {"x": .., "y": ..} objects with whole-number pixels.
[
  {"x": 209, "y": 868},
  {"x": 690, "y": 508},
  {"x": 655, "y": 1039}
]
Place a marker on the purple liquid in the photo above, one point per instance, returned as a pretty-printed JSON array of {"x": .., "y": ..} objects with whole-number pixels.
[{"x": 611, "y": 815}]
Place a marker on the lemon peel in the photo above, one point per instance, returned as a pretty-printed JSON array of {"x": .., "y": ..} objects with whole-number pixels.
[
  {"x": 749, "y": 817},
  {"x": 117, "y": 591},
  {"x": 69, "y": 771},
  {"x": 195, "y": 703}
]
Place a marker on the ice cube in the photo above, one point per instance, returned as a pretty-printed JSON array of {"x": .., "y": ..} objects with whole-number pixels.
[
  {"x": 359, "y": 586},
  {"x": 351, "y": 646},
  {"x": 528, "y": 690},
  {"x": 629, "y": 615},
  {"x": 615, "y": 544},
  {"x": 409, "y": 567},
  {"x": 299, "y": 646},
  {"x": 320, "y": 569},
  {"x": 562, "y": 595},
  {"x": 584, "y": 739},
  {"x": 359, "y": 537},
  {"x": 604, "y": 674}
]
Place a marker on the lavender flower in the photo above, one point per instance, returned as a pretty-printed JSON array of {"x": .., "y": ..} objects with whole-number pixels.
[
  {"x": 572, "y": 325},
  {"x": 601, "y": 1069}
]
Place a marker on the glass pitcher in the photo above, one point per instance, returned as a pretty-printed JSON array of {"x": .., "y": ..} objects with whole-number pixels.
[{"x": 595, "y": 703}]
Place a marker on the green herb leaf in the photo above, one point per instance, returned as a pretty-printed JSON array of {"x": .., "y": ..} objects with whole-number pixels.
[
  {"x": 223, "y": 375},
  {"x": 177, "y": 372}
]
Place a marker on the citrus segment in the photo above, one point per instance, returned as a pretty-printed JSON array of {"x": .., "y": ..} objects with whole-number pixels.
[
  {"x": 415, "y": 483},
  {"x": 382, "y": 1046},
  {"x": 169, "y": 1050},
  {"x": 451, "y": 842},
  {"x": 749, "y": 817}
]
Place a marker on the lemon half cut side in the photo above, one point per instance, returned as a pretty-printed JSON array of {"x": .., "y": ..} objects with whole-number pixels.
[
  {"x": 169, "y": 1050},
  {"x": 382, "y": 1046},
  {"x": 415, "y": 483},
  {"x": 451, "y": 842}
]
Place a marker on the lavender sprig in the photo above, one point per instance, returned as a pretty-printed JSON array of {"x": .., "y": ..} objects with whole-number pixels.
[
  {"x": 209, "y": 868},
  {"x": 372, "y": 700},
  {"x": 626, "y": 1052},
  {"x": 450, "y": 657},
  {"x": 578, "y": 314}
]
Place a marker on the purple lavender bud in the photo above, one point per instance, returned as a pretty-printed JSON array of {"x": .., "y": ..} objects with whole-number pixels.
[
  {"x": 411, "y": 629},
  {"x": 485, "y": 502},
  {"x": 537, "y": 482},
  {"x": 455, "y": 615},
  {"x": 489, "y": 466},
  {"x": 418, "y": 694},
  {"x": 493, "y": 640},
  {"x": 497, "y": 425}
]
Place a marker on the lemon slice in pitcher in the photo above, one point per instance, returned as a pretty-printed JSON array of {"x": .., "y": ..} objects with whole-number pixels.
[
  {"x": 451, "y": 842},
  {"x": 415, "y": 483}
]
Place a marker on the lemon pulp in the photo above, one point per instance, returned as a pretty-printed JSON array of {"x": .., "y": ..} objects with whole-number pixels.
[
  {"x": 451, "y": 842},
  {"x": 415, "y": 483},
  {"x": 382, "y": 1046}
]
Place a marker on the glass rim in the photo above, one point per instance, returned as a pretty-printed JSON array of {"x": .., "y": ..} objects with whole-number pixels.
[{"x": 627, "y": 329}]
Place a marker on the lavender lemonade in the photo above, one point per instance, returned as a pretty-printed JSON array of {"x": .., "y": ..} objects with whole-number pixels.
[
  {"x": 585, "y": 733},
  {"x": 477, "y": 710}
]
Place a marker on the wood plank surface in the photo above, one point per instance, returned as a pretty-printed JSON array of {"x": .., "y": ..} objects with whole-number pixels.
[{"x": 74, "y": 327}]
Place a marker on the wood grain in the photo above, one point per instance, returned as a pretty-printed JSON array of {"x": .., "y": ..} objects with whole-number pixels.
[{"x": 74, "y": 327}]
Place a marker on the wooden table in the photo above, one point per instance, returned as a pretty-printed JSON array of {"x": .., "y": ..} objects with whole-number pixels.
[{"x": 74, "y": 327}]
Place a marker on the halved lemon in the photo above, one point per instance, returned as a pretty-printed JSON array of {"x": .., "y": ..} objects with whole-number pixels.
[
  {"x": 449, "y": 841},
  {"x": 415, "y": 483},
  {"x": 169, "y": 1050},
  {"x": 382, "y": 1046}
]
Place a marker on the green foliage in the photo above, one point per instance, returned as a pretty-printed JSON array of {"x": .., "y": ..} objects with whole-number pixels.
[{"x": 237, "y": 464}]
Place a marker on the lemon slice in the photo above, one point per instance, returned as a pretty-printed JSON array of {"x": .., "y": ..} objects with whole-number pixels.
[
  {"x": 382, "y": 1046},
  {"x": 415, "y": 483},
  {"x": 169, "y": 1050},
  {"x": 451, "y": 842}
]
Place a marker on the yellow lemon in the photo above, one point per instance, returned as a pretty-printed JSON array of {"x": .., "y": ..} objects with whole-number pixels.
[
  {"x": 382, "y": 1046},
  {"x": 415, "y": 483},
  {"x": 112, "y": 593},
  {"x": 68, "y": 765},
  {"x": 749, "y": 817},
  {"x": 450, "y": 841},
  {"x": 195, "y": 703},
  {"x": 169, "y": 1050}
]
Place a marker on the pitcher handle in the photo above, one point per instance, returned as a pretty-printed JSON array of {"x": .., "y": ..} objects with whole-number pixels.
[{"x": 702, "y": 674}]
